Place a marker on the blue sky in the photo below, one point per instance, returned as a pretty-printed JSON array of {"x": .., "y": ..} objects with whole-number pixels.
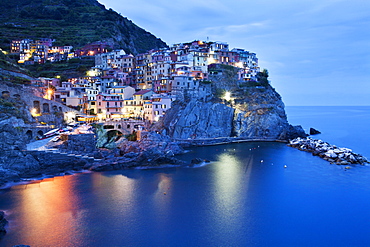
[{"x": 317, "y": 51}]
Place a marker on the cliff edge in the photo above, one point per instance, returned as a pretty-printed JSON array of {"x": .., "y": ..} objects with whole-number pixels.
[{"x": 229, "y": 107}]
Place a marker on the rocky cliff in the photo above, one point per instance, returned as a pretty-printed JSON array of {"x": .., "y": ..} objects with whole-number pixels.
[
  {"x": 252, "y": 110},
  {"x": 3, "y": 223},
  {"x": 17, "y": 163}
]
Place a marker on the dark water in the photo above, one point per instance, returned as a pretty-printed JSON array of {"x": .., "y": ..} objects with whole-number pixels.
[{"x": 245, "y": 197}]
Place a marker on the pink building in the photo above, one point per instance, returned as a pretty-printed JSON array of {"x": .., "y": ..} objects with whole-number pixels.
[{"x": 109, "y": 104}]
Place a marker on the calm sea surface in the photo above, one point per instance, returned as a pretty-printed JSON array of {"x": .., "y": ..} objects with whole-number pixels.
[{"x": 245, "y": 197}]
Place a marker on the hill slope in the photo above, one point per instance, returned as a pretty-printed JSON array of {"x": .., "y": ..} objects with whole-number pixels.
[{"x": 71, "y": 22}]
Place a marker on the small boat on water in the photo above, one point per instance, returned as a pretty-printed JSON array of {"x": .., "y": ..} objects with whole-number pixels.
[{"x": 50, "y": 133}]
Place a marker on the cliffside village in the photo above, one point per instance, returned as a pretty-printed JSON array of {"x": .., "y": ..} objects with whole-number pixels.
[{"x": 124, "y": 86}]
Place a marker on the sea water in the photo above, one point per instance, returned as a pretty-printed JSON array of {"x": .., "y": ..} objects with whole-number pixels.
[{"x": 251, "y": 194}]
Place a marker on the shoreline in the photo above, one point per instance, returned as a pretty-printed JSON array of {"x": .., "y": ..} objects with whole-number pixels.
[
  {"x": 142, "y": 160},
  {"x": 223, "y": 141}
]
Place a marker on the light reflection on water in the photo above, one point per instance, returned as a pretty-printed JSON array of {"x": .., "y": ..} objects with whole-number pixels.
[
  {"x": 50, "y": 209},
  {"x": 245, "y": 197}
]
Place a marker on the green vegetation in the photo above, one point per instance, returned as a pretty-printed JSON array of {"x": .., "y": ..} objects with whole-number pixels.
[
  {"x": 10, "y": 107},
  {"x": 131, "y": 137},
  {"x": 8, "y": 62},
  {"x": 220, "y": 93},
  {"x": 262, "y": 77},
  {"x": 75, "y": 67},
  {"x": 71, "y": 22},
  {"x": 20, "y": 80},
  {"x": 226, "y": 67}
]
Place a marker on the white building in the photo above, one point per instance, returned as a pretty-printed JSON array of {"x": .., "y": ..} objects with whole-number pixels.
[{"x": 157, "y": 106}]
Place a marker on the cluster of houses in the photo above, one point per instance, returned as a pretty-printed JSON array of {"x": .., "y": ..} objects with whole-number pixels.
[
  {"x": 42, "y": 50},
  {"x": 143, "y": 87}
]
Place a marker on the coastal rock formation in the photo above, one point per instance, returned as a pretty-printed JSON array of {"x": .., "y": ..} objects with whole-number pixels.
[
  {"x": 252, "y": 110},
  {"x": 79, "y": 144},
  {"x": 17, "y": 163},
  {"x": 151, "y": 151},
  {"x": 199, "y": 120},
  {"x": 12, "y": 159},
  {"x": 3, "y": 223},
  {"x": 331, "y": 153},
  {"x": 314, "y": 131}
]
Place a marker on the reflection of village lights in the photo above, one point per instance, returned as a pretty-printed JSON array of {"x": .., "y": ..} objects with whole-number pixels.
[{"x": 227, "y": 96}]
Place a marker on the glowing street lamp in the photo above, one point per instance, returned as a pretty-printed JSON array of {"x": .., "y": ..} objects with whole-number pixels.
[
  {"x": 34, "y": 112},
  {"x": 227, "y": 96}
]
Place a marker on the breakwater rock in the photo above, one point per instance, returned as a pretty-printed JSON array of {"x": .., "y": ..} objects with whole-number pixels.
[
  {"x": 331, "y": 153},
  {"x": 3, "y": 223}
]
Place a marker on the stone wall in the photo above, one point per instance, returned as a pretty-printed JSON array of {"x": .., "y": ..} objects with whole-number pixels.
[{"x": 47, "y": 111}]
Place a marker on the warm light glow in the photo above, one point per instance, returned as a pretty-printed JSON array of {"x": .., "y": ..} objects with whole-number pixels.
[
  {"x": 34, "y": 112},
  {"x": 211, "y": 60},
  {"x": 49, "y": 94},
  {"x": 227, "y": 96},
  {"x": 50, "y": 210},
  {"x": 239, "y": 64},
  {"x": 91, "y": 73},
  {"x": 156, "y": 118}
]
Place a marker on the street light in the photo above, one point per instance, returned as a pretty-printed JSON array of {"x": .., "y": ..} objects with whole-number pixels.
[
  {"x": 34, "y": 112},
  {"x": 227, "y": 96}
]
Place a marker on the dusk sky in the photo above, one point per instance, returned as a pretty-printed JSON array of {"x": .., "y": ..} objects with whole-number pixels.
[{"x": 317, "y": 51}]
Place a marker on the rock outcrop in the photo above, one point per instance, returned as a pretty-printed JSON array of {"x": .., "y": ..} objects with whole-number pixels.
[
  {"x": 152, "y": 150},
  {"x": 3, "y": 223},
  {"x": 314, "y": 131},
  {"x": 200, "y": 120},
  {"x": 252, "y": 110},
  {"x": 12, "y": 159},
  {"x": 17, "y": 163}
]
